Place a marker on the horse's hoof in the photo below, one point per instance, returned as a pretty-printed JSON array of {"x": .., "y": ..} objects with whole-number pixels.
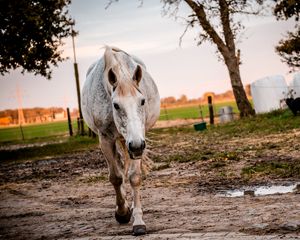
[
  {"x": 139, "y": 230},
  {"x": 123, "y": 219}
]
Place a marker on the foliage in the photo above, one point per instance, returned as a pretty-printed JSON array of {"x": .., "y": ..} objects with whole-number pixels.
[
  {"x": 289, "y": 48},
  {"x": 31, "y": 33},
  {"x": 31, "y": 114},
  {"x": 285, "y": 9}
]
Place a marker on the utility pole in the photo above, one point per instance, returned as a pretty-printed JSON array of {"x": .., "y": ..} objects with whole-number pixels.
[{"x": 80, "y": 120}]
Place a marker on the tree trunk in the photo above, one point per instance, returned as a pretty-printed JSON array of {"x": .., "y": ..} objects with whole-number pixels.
[
  {"x": 241, "y": 99},
  {"x": 226, "y": 47}
]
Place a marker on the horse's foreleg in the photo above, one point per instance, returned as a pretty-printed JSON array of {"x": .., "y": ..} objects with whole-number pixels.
[
  {"x": 135, "y": 177},
  {"x": 116, "y": 177}
]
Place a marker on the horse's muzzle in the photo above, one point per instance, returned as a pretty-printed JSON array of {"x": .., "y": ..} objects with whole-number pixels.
[{"x": 136, "y": 149}]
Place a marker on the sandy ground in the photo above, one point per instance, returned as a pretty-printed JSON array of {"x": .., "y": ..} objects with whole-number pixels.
[{"x": 70, "y": 197}]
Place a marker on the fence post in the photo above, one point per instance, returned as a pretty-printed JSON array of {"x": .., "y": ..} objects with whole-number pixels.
[
  {"x": 201, "y": 113},
  {"x": 78, "y": 126},
  {"x": 211, "y": 110},
  {"x": 94, "y": 135},
  {"x": 166, "y": 113},
  {"x": 69, "y": 122},
  {"x": 81, "y": 128},
  {"x": 22, "y": 133}
]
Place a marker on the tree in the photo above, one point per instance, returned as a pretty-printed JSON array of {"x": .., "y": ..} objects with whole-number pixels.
[
  {"x": 183, "y": 99},
  {"x": 220, "y": 27},
  {"x": 31, "y": 32},
  {"x": 289, "y": 49}
]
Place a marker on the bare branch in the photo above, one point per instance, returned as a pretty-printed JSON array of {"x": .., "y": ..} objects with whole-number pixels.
[
  {"x": 110, "y": 2},
  {"x": 188, "y": 25},
  {"x": 228, "y": 34},
  {"x": 206, "y": 25}
]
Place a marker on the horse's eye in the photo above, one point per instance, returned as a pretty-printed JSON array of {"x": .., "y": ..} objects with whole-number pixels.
[
  {"x": 116, "y": 106},
  {"x": 143, "y": 102}
]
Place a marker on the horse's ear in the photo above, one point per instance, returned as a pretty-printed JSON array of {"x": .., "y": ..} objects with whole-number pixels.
[
  {"x": 137, "y": 76},
  {"x": 112, "y": 78}
]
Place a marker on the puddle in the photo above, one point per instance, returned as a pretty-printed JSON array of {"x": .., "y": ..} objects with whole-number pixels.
[{"x": 260, "y": 190}]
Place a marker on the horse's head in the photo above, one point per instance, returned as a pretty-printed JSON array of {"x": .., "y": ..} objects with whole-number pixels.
[{"x": 128, "y": 104}]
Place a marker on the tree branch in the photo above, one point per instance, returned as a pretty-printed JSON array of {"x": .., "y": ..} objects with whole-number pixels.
[
  {"x": 228, "y": 34},
  {"x": 198, "y": 8}
]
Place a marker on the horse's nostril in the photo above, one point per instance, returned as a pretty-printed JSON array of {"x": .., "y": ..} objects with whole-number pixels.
[
  {"x": 135, "y": 147},
  {"x": 130, "y": 146}
]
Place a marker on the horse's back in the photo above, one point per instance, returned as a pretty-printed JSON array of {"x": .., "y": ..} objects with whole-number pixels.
[{"x": 94, "y": 95}]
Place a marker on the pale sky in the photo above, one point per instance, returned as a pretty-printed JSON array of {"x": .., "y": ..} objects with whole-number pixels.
[{"x": 143, "y": 31}]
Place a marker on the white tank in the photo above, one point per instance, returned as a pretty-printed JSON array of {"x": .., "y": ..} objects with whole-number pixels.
[
  {"x": 295, "y": 85},
  {"x": 269, "y": 93}
]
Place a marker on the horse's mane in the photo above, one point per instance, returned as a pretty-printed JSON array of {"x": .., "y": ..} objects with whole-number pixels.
[
  {"x": 112, "y": 49},
  {"x": 109, "y": 51}
]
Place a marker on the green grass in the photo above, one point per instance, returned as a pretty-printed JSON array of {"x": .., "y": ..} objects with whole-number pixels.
[
  {"x": 70, "y": 145},
  {"x": 273, "y": 122},
  {"x": 210, "y": 146},
  {"x": 192, "y": 112},
  {"x": 34, "y": 131},
  {"x": 282, "y": 169}
]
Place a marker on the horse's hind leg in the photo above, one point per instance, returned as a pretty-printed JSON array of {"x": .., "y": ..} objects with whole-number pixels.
[
  {"x": 116, "y": 177},
  {"x": 135, "y": 177}
]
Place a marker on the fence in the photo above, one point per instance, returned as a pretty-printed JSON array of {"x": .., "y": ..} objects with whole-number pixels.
[
  {"x": 193, "y": 112},
  {"x": 60, "y": 128}
]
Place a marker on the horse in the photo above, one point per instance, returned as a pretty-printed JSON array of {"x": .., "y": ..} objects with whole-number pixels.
[{"x": 120, "y": 102}]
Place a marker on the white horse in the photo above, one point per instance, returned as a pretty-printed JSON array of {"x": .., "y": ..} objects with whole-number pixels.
[{"x": 120, "y": 102}]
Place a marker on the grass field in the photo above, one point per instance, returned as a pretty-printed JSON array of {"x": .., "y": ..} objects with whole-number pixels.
[
  {"x": 61, "y": 128},
  {"x": 35, "y": 131},
  {"x": 190, "y": 112},
  {"x": 256, "y": 127}
]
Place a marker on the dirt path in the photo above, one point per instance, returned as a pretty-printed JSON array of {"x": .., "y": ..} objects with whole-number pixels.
[
  {"x": 70, "y": 197},
  {"x": 78, "y": 204}
]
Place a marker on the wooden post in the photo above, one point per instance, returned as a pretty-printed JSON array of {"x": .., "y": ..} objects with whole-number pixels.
[
  {"x": 94, "y": 135},
  {"x": 80, "y": 121},
  {"x": 201, "y": 113},
  {"x": 211, "y": 110},
  {"x": 22, "y": 133},
  {"x": 78, "y": 126},
  {"x": 91, "y": 133},
  {"x": 166, "y": 113},
  {"x": 69, "y": 122}
]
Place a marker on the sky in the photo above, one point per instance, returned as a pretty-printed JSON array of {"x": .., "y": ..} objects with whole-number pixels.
[{"x": 145, "y": 32}]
